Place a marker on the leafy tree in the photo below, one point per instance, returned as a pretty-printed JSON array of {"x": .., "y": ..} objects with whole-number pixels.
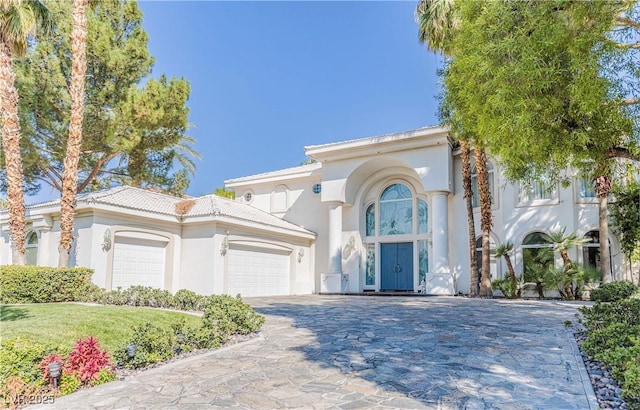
[
  {"x": 225, "y": 193},
  {"x": 132, "y": 134},
  {"x": 546, "y": 86},
  {"x": 625, "y": 213},
  {"x": 19, "y": 22},
  {"x": 72, "y": 155}
]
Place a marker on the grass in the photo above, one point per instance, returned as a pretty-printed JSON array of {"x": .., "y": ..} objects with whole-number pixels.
[{"x": 61, "y": 324}]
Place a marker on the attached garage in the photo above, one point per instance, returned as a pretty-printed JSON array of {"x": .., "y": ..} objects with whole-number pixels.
[
  {"x": 138, "y": 261},
  {"x": 258, "y": 272}
]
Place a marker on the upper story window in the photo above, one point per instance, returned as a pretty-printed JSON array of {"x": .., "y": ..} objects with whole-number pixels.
[
  {"x": 317, "y": 188},
  {"x": 248, "y": 196},
  {"x": 31, "y": 255},
  {"x": 537, "y": 190},
  {"x": 475, "y": 199},
  {"x": 396, "y": 210},
  {"x": 586, "y": 188}
]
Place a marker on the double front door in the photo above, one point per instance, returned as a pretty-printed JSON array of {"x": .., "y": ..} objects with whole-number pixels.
[{"x": 396, "y": 266}]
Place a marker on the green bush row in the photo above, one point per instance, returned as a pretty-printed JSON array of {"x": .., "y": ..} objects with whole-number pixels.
[
  {"x": 223, "y": 317},
  {"x": 42, "y": 284},
  {"x": 614, "y": 291},
  {"x": 613, "y": 337}
]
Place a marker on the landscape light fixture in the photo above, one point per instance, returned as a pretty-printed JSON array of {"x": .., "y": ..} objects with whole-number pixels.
[
  {"x": 131, "y": 351},
  {"x": 55, "y": 370},
  {"x": 178, "y": 348}
]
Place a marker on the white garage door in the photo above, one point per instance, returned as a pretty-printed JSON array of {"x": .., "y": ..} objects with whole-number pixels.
[
  {"x": 253, "y": 272},
  {"x": 138, "y": 262}
]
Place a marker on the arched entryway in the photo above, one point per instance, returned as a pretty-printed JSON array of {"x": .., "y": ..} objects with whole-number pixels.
[{"x": 396, "y": 227}]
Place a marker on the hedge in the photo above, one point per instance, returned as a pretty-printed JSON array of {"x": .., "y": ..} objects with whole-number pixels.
[{"x": 43, "y": 284}]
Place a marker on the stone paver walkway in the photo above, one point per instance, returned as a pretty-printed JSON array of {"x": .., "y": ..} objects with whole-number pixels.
[{"x": 347, "y": 352}]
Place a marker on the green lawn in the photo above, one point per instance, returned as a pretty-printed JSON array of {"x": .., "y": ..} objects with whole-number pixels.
[{"x": 61, "y": 324}]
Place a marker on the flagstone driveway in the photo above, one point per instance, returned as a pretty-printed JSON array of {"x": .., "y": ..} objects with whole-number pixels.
[{"x": 349, "y": 352}]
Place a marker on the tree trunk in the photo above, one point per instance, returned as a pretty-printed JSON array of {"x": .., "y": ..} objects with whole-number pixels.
[
  {"x": 567, "y": 269},
  {"x": 72, "y": 156},
  {"x": 486, "y": 220},
  {"x": 13, "y": 159},
  {"x": 603, "y": 187},
  {"x": 465, "y": 153}
]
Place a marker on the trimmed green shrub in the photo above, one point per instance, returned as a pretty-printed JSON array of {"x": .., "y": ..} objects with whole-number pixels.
[
  {"x": 42, "y": 284},
  {"x": 231, "y": 315},
  {"x": 613, "y": 337},
  {"x": 614, "y": 291},
  {"x": 136, "y": 296},
  {"x": 185, "y": 299},
  {"x": 21, "y": 358}
]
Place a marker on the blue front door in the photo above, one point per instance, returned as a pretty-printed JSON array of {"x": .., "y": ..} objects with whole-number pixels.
[{"x": 396, "y": 266}]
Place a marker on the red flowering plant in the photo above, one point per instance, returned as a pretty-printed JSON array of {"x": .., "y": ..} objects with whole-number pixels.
[
  {"x": 86, "y": 365},
  {"x": 86, "y": 360}
]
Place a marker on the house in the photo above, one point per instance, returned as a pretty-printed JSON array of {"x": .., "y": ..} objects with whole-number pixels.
[{"x": 372, "y": 214}]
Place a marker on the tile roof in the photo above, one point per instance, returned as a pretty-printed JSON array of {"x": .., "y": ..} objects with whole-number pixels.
[
  {"x": 398, "y": 134},
  {"x": 280, "y": 172},
  {"x": 215, "y": 205},
  {"x": 128, "y": 197}
]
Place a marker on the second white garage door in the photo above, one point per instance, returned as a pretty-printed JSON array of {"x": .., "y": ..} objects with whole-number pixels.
[
  {"x": 256, "y": 272},
  {"x": 138, "y": 262}
]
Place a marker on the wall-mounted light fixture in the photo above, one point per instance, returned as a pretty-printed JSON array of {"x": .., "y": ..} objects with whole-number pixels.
[
  {"x": 349, "y": 247},
  {"x": 106, "y": 240},
  {"x": 225, "y": 244},
  {"x": 300, "y": 254}
]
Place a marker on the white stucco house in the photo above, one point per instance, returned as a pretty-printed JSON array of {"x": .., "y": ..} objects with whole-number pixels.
[{"x": 382, "y": 213}]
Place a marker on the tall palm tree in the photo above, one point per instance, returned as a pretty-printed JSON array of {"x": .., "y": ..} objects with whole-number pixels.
[
  {"x": 72, "y": 155},
  {"x": 465, "y": 154},
  {"x": 437, "y": 24},
  {"x": 486, "y": 220},
  {"x": 19, "y": 20}
]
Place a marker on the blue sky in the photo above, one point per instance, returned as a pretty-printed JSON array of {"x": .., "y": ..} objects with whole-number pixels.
[{"x": 268, "y": 78}]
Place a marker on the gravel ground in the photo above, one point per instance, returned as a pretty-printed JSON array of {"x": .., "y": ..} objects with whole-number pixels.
[{"x": 608, "y": 391}]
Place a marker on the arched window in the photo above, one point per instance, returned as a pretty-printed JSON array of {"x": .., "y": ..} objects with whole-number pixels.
[
  {"x": 370, "y": 229},
  {"x": 591, "y": 251},
  {"x": 474, "y": 184},
  {"x": 423, "y": 217},
  {"x": 31, "y": 255},
  {"x": 536, "y": 256},
  {"x": 396, "y": 210}
]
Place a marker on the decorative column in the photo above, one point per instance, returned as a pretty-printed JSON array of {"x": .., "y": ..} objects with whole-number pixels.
[
  {"x": 441, "y": 280},
  {"x": 331, "y": 282}
]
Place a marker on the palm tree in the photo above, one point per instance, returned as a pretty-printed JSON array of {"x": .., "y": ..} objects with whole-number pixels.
[
  {"x": 561, "y": 243},
  {"x": 486, "y": 220},
  {"x": 19, "y": 20},
  {"x": 437, "y": 24},
  {"x": 504, "y": 251},
  {"x": 72, "y": 155},
  {"x": 465, "y": 154}
]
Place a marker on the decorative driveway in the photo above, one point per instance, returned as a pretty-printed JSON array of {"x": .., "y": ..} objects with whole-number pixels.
[{"x": 349, "y": 352}]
